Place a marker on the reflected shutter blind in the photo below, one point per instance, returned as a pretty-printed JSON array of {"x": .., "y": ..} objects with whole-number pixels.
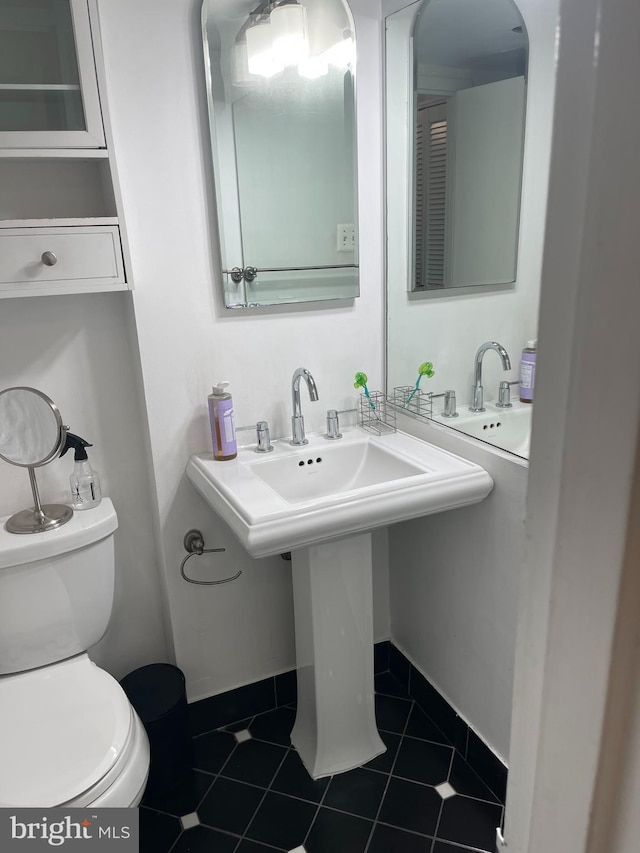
[
  {"x": 431, "y": 195},
  {"x": 436, "y": 203}
]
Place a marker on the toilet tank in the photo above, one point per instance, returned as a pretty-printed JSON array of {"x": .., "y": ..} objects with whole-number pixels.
[{"x": 56, "y": 589}]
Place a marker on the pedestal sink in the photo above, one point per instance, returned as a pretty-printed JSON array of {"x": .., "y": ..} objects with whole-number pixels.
[{"x": 321, "y": 502}]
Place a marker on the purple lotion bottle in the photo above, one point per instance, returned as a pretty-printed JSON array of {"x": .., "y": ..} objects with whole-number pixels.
[
  {"x": 223, "y": 431},
  {"x": 528, "y": 371}
]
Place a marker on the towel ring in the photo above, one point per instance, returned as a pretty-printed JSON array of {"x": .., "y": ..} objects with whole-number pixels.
[{"x": 194, "y": 544}]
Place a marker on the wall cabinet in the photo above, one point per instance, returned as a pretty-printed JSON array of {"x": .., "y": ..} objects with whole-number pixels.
[
  {"x": 48, "y": 87},
  {"x": 59, "y": 226}
]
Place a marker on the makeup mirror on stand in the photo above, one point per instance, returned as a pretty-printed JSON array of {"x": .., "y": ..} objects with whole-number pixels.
[{"x": 32, "y": 434}]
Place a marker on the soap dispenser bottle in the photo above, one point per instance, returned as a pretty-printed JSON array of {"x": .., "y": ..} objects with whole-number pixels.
[
  {"x": 223, "y": 431},
  {"x": 528, "y": 372},
  {"x": 85, "y": 483}
]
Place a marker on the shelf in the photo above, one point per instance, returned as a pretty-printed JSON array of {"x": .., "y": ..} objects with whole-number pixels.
[
  {"x": 54, "y": 153},
  {"x": 88, "y": 221},
  {"x": 39, "y": 87}
]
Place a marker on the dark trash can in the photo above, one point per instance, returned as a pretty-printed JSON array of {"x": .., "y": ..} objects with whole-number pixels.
[{"x": 158, "y": 694}]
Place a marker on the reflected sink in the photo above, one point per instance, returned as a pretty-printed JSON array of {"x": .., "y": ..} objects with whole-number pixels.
[
  {"x": 509, "y": 429},
  {"x": 300, "y": 496}
]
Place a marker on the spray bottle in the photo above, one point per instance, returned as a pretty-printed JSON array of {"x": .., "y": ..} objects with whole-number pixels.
[{"x": 85, "y": 483}]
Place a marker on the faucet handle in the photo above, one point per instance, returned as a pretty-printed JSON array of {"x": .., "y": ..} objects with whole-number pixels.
[
  {"x": 333, "y": 425},
  {"x": 449, "y": 410},
  {"x": 264, "y": 439},
  {"x": 504, "y": 394},
  {"x": 262, "y": 436}
]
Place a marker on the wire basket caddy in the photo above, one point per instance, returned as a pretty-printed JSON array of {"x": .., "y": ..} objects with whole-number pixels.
[
  {"x": 376, "y": 413},
  {"x": 414, "y": 401}
]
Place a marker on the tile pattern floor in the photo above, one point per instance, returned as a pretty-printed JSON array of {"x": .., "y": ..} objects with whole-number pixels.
[{"x": 249, "y": 793}]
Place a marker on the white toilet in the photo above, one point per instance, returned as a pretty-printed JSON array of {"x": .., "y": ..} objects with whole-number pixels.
[{"x": 68, "y": 734}]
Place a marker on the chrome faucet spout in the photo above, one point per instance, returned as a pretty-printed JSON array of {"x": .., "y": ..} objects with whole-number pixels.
[
  {"x": 478, "y": 393},
  {"x": 297, "y": 421}
]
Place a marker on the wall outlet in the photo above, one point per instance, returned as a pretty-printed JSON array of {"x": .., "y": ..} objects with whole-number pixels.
[{"x": 346, "y": 238}]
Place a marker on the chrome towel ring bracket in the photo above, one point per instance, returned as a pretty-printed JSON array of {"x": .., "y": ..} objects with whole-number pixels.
[{"x": 194, "y": 544}]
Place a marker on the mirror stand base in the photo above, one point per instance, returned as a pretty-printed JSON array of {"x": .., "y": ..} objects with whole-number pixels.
[{"x": 33, "y": 521}]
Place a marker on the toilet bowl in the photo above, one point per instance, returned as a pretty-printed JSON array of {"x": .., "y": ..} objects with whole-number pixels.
[{"x": 69, "y": 736}]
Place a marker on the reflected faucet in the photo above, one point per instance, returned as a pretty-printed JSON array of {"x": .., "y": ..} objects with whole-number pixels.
[
  {"x": 297, "y": 421},
  {"x": 478, "y": 393}
]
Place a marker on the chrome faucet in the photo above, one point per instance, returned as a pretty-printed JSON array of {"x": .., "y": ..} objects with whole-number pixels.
[
  {"x": 297, "y": 421},
  {"x": 478, "y": 393}
]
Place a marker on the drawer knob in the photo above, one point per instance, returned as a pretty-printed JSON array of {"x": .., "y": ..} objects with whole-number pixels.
[{"x": 49, "y": 259}]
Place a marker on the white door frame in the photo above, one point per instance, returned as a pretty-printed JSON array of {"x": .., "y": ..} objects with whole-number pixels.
[{"x": 564, "y": 793}]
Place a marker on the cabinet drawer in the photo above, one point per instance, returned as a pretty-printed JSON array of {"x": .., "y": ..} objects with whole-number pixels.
[{"x": 60, "y": 260}]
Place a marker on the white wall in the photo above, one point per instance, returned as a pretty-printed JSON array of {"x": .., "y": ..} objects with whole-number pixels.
[
  {"x": 454, "y": 581},
  {"x": 80, "y": 351},
  {"x": 233, "y": 634}
]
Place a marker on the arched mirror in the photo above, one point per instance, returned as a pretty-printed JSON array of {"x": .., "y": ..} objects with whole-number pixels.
[
  {"x": 32, "y": 434},
  {"x": 281, "y": 87}
]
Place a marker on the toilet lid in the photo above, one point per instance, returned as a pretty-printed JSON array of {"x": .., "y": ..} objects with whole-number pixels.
[{"x": 62, "y": 728}]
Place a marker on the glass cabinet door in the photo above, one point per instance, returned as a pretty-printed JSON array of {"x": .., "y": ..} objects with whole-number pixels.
[{"x": 48, "y": 88}]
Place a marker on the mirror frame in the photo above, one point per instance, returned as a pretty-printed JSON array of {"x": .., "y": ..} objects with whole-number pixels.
[{"x": 62, "y": 430}]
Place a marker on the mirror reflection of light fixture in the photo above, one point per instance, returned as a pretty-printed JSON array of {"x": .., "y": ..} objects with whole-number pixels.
[
  {"x": 327, "y": 34},
  {"x": 313, "y": 67},
  {"x": 261, "y": 57},
  {"x": 240, "y": 75},
  {"x": 292, "y": 33},
  {"x": 342, "y": 54},
  {"x": 289, "y": 33}
]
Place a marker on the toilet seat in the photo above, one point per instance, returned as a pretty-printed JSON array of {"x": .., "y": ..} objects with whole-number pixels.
[
  {"x": 125, "y": 783},
  {"x": 65, "y": 733}
]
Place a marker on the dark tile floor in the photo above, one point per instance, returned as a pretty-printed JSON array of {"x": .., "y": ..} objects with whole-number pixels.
[{"x": 249, "y": 793}]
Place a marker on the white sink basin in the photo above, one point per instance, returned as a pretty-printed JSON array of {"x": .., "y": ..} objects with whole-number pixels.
[
  {"x": 338, "y": 469},
  {"x": 300, "y": 496}
]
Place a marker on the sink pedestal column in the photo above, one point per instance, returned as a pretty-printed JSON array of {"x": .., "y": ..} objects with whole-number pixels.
[{"x": 335, "y": 728}]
